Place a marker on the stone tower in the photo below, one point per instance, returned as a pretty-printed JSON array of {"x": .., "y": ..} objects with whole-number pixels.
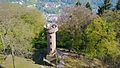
[{"x": 51, "y": 30}]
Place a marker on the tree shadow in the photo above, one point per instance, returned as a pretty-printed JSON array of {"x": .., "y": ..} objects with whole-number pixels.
[
  {"x": 1, "y": 66},
  {"x": 39, "y": 49},
  {"x": 38, "y": 56}
]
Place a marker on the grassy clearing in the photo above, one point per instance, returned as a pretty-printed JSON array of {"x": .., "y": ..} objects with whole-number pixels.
[
  {"x": 1, "y": 58},
  {"x": 21, "y": 63},
  {"x": 82, "y": 63}
]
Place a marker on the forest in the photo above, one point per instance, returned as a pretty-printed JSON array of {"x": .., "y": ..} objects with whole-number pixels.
[{"x": 92, "y": 39}]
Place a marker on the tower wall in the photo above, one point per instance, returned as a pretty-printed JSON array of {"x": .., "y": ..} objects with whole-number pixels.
[
  {"x": 51, "y": 44},
  {"x": 51, "y": 30}
]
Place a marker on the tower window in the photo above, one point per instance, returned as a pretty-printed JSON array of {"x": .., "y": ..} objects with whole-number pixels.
[
  {"x": 50, "y": 49},
  {"x": 50, "y": 36},
  {"x": 50, "y": 43}
]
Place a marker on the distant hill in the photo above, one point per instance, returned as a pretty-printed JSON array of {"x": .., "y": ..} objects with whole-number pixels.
[
  {"x": 41, "y": 4},
  {"x": 56, "y": 5}
]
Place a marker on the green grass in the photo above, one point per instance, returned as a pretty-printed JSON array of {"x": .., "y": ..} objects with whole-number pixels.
[
  {"x": 74, "y": 63},
  {"x": 1, "y": 58},
  {"x": 21, "y": 63},
  {"x": 71, "y": 62}
]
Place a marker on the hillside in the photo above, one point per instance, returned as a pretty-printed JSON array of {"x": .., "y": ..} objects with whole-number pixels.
[
  {"x": 21, "y": 63},
  {"x": 40, "y": 4}
]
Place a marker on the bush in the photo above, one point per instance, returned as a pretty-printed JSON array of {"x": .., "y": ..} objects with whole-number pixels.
[{"x": 19, "y": 25}]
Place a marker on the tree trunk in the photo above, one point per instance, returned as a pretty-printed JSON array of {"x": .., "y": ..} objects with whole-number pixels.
[{"x": 13, "y": 57}]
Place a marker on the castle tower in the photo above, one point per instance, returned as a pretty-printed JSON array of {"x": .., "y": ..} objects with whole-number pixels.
[{"x": 51, "y": 30}]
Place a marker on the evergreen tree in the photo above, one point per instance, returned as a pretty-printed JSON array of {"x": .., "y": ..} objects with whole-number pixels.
[
  {"x": 88, "y": 6},
  {"x": 118, "y": 5},
  {"x": 106, "y": 6},
  {"x": 78, "y": 3},
  {"x": 100, "y": 10}
]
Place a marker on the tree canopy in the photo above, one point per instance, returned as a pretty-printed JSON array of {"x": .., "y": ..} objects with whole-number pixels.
[
  {"x": 118, "y": 5},
  {"x": 106, "y": 6},
  {"x": 78, "y": 3},
  {"x": 88, "y": 6},
  {"x": 18, "y": 26}
]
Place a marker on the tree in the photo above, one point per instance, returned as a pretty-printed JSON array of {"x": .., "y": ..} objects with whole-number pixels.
[
  {"x": 71, "y": 25},
  {"x": 78, "y": 3},
  {"x": 19, "y": 25},
  {"x": 113, "y": 17},
  {"x": 99, "y": 39},
  {"x": 81, "y": 35},
  {"x": 118, "y": 5},
  {"x": 88, "y": 6},
  {"x": 106, "y": 6}
]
